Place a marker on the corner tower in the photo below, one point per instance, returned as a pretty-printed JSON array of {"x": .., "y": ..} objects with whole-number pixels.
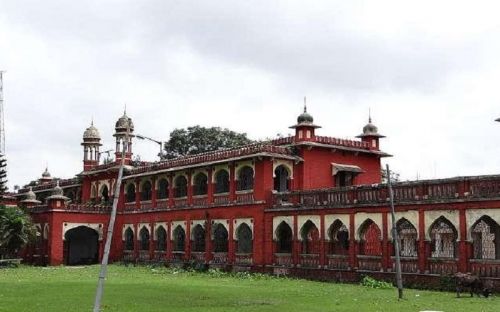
[
  {"x": 305, "y": 127},
  {"x": 91, "y": 143},
  {"x": 124, "y": 130},
  {"x": 370, "y": 135}
]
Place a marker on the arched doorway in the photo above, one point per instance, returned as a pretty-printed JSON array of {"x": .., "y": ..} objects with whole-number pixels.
[{"x": 82, "y": 246}]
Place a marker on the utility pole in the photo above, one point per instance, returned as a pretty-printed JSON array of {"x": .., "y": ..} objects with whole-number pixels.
[
  {"x": 111, "y": 226},
  {"x": 3, "y": 161},
  {"x": 399, "y": 278}
]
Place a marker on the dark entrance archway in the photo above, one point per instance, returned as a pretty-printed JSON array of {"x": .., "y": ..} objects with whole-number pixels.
[{"x": 82, "y": 246}]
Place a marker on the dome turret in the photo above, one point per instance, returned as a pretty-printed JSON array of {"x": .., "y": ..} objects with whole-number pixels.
[
  {"x": 305, "y": 119},
  {"x": 370, "y": 130},
  {"x": 123, "y": 123},
  {"x": 91, "y": 133},
  {"x": 46, "y": 173},
  {"x": 57, "y": 193},
  {"x": 30, "y": 198}
]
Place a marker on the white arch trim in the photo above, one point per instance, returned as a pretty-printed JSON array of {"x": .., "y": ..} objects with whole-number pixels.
[
  {"x": 98, "y": 227},
  {"x": 102, "y": 183},
  {"x": 361, "y": 217},
  {"x": 224, "y": 223},
  {"x": 161, "y": 177},
  {"x": 46, "y": 230},
  {"x": 38, "y": 228},
  {"x": 432, "y": 215},
  {"x": 196, "y": 172},
  {"x": 140, "y": 226},
  {"x": 473, "y": 215},
  {"x": 144, "y": 180},
  {"x": 238, "y": 223},
  {"x": 329, "y": 219},
  {"x": 285, "y": 163},
  {"x": 411, "y": 216},
  {"x": 219, "y": 168},
  {"x": 301, "y": 220},
  {"x": 241, "y": 165},
  {"x": 194, "y": 223},
  {"x": 125, "y": 227},
  {"x": 174, "y": 225},
  {"x": 157, "y": 226},
  {"x": 277, "y": 221}
]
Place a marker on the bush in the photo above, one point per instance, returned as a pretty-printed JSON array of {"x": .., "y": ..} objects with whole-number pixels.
[{"x": 368, "y": 281}]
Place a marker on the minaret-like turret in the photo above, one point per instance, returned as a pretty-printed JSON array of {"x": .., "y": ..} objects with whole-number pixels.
[
  {"x": 46, "y": 177},
  {"x": 91, "y": 143},
  {"x": 124, "y": 128},
  {"x": 305, "y": 128},
  {"x": 370, "y": 134}
]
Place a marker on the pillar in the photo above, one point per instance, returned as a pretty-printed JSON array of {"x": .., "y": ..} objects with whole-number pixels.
[
  {"x": 462, "y": 244},
  {"x": 422, "y": 250},
  {"x": 153, "y": 192},
  {"x": 232, "y": 183},
  {"x": 385, "y": 245},
  {"x": 231, "y": 243},
  {"x": 322, "y": 247},
  {"x": 353, "y": 244}
]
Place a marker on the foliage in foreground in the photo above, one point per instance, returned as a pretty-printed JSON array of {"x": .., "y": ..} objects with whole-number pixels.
[
  {"x": 368, "y": 281},
  {"x": 16, "y": 230}
]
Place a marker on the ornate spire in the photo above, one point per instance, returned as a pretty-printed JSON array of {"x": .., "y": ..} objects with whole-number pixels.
[
  {"x": 369, "y": 115},
  {"x": 305, "y": 105}
]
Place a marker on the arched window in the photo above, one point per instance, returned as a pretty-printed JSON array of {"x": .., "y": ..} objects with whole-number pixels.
[
  {"x": 222, "y": 182},
  {"x": 310, "y": 238},
  {"x": 285, "y": 237},
  {"x": 443, "y": 239},
  {"x": 179, "y": 237},
  {"x": 407, "y": 235},
  {"x": 104, "y": 193},
  {"x": 281, "y": 179},
  {"x": 370, "y": 235},
  {"x": 200, "y": 184},
  {"x": 93, "y": 192},
  {"x": 161, "y": 238},
  {"x": 220, "y": 238},
  {"x": 180, "y": 186},
  {"x": 198, "y": 239},
  {"x": 245, "y": 179},
  {"x": 146, "y": 191},
  {"x": 162, "y": 189},
  {"x": 244, "y": 237},
  {"x": 130, "y": 193},
  {"x": 129, "y": 239},
  {"x": 339, "y": 238},
  {"x": 486, "y": 239},
  {"x": 144, "y": 235}
]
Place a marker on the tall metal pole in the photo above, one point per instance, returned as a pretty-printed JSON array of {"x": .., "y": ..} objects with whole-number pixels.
[
  {"x": 109, "y": 236},
  {"x": 399, "y": 278},
  {"x": 2, "y": 121}
]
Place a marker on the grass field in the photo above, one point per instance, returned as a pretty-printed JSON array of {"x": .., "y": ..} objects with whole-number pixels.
[{"x": 145, "y": 289}]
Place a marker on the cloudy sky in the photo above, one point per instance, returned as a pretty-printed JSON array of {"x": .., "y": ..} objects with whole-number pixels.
[{"x": 429, "y": 71}]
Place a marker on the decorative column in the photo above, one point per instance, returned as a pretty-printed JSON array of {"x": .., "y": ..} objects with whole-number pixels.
[
  {"x": 296, "y": 242},
  {"x": 385, "y": 246},
  {"x": 322, "y": 246},
  {"x": 190, "y": 188},
  {"x": 210, "y": 186},
  {"x": 232, "y": 183},
  {"x": 187, "y": 241},
  {"x": 422, "y": 252},
  {"x": 170, "y": 191},
  {"x": 353, "y": 244},
  {"x": 153, "y": 192},
  {"x": 462, "y": 244},
  {"x": 231, "y": 243},
  {"x": 137, "y": 195}
]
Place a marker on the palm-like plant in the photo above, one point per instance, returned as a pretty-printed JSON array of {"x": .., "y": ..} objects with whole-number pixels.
[{"x": 16, "y": 230}]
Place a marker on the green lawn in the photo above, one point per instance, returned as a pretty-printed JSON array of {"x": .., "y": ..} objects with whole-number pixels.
[{"x": 145, "y": 289}]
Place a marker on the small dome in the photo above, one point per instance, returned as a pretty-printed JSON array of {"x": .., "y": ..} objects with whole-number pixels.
[
  {"x": 124, "y": 122},
  {"x": 305, "y": 118},
  {"x": 370, "y": 129},
  {"x": 30, "y": 195},
  {"x": 57, "y": 190},
  {"x": 91, "y": 133},
  {"x": 46, "y": 173}
]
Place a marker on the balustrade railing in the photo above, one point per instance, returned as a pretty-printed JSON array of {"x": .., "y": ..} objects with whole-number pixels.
[
  {"x": 243, "y": 259},
  {"x": 177, "y": 256},
  {"x": 130, "y": 206},
  {"x": 338, "y": 262},
  {"x": 283, "y": 259},
  {"x": 408, "y": 264},
  {"x": 198, "y": 256},
  {"x": 221, "y": 199},
  {"x": 219, "y": 258},
  {"x": 309, "y": 260},
  {"x": 162, "y": 204},
  {"x": 146, "y": 205},
  {"x": 427, "y": 190},
  {"x": 369, "y": 263},
  {"x": 485, "y": 268},
  {"x": 244, "y": 198},
  {"x": 442, "y": 266},
  {"x": 181, "y": 203},
  {"x": 200, "y": 201}
]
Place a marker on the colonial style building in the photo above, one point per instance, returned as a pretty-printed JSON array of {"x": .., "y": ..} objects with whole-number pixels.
[{"x": 307, "y": 205}]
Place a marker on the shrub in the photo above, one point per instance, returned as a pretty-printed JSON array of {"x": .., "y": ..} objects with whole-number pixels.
[{"x": 368, "y": 281}]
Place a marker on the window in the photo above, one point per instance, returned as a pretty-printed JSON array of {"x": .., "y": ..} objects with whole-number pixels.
[
  {"x": 344, "y": 178},
  {"x": 198, "y": 239},
  {"x": 284, "y": 236},
  {"x": 130, "y": 193},
  {"x": 245, "y": 179},
  {"x": 179, "y": 238},
  {"x": 220, "y": 238},
  {"x": 146, "y": 191},
  {"x": 370, "y": 244},
  {"x": 144, "y": 235},
  {"x": 129, "y": 239},
  {"x": 162, "y": 189},
  {"x": 407, "y": 238},
  {"x": 310, "y": 238},
  {"x": 485, "y": 242},
  {"x": 244, "y": 237},
  {"x": 200, "y": 184},
  {"x": 443, "y": 239},
  {"x": 339, "y": 238},
  {"x": 281, "y": 179},
  {"x": 161, "y": 236},
  {"x": 181, "y": 186},
  {"x": 222, "y": 182}
]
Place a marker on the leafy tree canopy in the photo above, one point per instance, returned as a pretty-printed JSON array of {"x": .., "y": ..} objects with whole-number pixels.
[
  {"x": 16, "y": 230},
  {"x": 197, "y": 139}
]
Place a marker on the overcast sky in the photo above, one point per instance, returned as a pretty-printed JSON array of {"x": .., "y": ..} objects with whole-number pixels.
[{"x": 429, "y": 71}]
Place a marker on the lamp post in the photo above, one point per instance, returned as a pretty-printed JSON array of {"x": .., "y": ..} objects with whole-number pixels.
[{"x": 161, "y": 143}]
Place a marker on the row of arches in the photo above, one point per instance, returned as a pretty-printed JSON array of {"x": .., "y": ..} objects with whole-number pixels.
[
  {"x": 485, "y": 238},
  {"x": 245, "y": 182},
  {"x": 220, "y": 239}
]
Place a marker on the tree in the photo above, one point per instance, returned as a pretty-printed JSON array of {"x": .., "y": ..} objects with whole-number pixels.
[
  {"x": 197, "y": 139},
  {"x": 16, "y": 230}
]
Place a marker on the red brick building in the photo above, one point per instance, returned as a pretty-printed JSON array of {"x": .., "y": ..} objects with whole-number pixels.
[{"x": 308, "y": 205}]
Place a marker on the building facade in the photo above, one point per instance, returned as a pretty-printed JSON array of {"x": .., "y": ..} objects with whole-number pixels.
[{"x": 305, "y": 205}]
